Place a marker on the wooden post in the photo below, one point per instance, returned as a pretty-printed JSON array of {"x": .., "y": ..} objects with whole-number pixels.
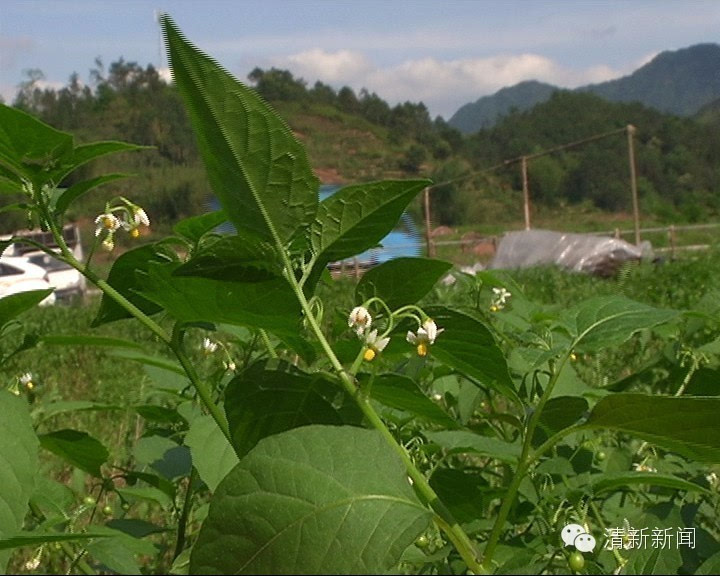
[
  {"x": 633, "y": 182},
  {"x": 428, "y": 229},
  {"x": 526, "y": 191}
]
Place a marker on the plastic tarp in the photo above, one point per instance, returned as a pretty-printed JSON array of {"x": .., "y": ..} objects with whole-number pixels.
[{"x": 600, "y": 255}]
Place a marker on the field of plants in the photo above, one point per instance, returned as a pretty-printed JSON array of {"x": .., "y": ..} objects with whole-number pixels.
[{"x": 226, "y": 407}]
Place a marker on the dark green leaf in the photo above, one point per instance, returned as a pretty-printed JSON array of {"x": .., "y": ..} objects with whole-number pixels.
[
  {"x": 559, "y": 413},
  {"x": 402, "y": 393},
  {"x": 36, "y": 539},
  {"x": 401, "y": 281},
  {"x": 233, "y": 259},
  {"x": 15, "y": 304},
  {"x": 261, "y": 402},
  {"x": 19, "y": 457},
  {"x": 462, "y": 441},
  {"x": 76, "y": 190},
  {"x": 77, "y": 448},
  {"x": 609, "y": 320},
  {"x": 689, "y": 426},
  {"x": 624, "y": 480},
  {"x": 256, "y": 167},
  {"x": 135, "y": 527},
  {"x": 123, "y": 278},
  {"x": 196, "y": 227},
  {"x": 271, "y": 305},
  {"x": 313, "y": 500},
  {"x": 710, "y": 566},
  {"x": 212, "y": 455},
  {"x": 470, "y": 348},
  {"x": 357, "y": 217}
]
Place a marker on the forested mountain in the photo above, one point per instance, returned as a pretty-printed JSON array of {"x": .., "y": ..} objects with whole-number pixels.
[
  {"x": 359, "y": 137},
  {"x": 679, "y": 82}
]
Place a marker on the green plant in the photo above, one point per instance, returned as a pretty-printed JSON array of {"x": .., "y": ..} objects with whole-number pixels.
[{"x": 388, "y": 433}]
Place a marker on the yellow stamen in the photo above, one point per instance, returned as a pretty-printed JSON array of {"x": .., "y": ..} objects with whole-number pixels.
[
  {"x": 422, "y": 349},
  {"x": 135, "y": 232},
  {"x": 369, "y": 354},
  {"x": 108, "y": 222},
  {"x": 29, "y": 385}
]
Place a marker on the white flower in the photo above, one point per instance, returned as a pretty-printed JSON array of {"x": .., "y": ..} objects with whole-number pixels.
[
  {"x": 643, "y": 468},
  {"x": 360, "y": 320},
  {"x": 230, "y": 365},
  {"x": 498, "y": 300},
  {"x": 107, "y": 221},
  {"x": 425, "y": 336},
  {"x": 374, "y": 345},
  {"x": 27, "y": 379},
  {"x": 109, "y": 243},
  {"x": 713, "y": 479},
  {"x": 140, "y": 216},
  {"x": 208, "y": 346}
]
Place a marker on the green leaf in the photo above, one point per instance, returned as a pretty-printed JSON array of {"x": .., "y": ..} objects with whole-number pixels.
[
  {"x": 19, "y": 457},
  {"x": 357, "y": 217},
  {"x": 559, "y": 413},
  {"x": 464, "y": 492},
  {"x": 261, "y": 402},
  {"x": 687, "y": 425},
  {"x": 233, "y": 259},
  {"x": 15, "y": 304},
  {"x": 196, "y": 227},
  {"x": 212, "y": 455},
  {"x": 30, "y": 148},
  {"x": 470, "y": 348},
  {"x": 401, "y": 281},
  {"x": 123, "y": 278},
  {"x": 36, "y": 539},
  {"x": 710, "y": 566},
  {"x": 88, "y": 340},
  {"x": 76, "y": 190},
  {"x": 402, "y": 393},
  {"x": 461, "y": 441},
  {"x": 606, "y": 321},
  {"x": 117, "y": 552},
  {"x": 84, "y": 153},
  {"x": 77, "y": 448},
  {"x": 271, "y": 304},
  {"x": 313, "y": 500},
  {"x": 257, "y": 168},
  {"x": 625, "y": 479}
]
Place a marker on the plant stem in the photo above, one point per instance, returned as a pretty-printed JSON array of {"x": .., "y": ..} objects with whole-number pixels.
[
  {"x": 182, "y": 524},
  {"x": 454, "y": 531},
  {"x": 524, "y": 463}
]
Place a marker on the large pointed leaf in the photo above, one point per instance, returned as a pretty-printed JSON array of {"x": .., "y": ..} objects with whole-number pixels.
[
  {"x": 605, "y": 321},
  {"x": 123, "y": 278},
  {"x": 15, "y": 304},
  {"x": 468, "y": 346},
  {"x": 77, "y": 448},
  {"x": 262, "y": 401},
  {"x": 271, "y": 304},
  {"x": 256, "y": 167},
  {"x": 19, "y": 456},
  {"x": 401, "y": 281},
  {"x": 313, "y": 500},
  {"x": 235, "y": 259},
  {"x": 211, "y": 453},
  {"x": 402, "y": 393},
  {"x": 80, "y": 188},
  {"x": 357, "y": 217},
  {"x": 29, "y": 147},
  {"x": 195, "y": 227},
  {"x": 463, "y": 441},
  {"x": 687, "y": 425}
]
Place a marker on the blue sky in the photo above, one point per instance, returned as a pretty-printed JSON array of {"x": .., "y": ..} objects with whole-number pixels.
[{"x": 443, "y": 53}]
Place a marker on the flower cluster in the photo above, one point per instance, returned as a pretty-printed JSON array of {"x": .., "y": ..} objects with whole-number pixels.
[
  {"x": 209, "y": 347},
  {"x": 424, "y": 337},
  {"x": 500, "y": 296},
  {"x": 22, "y": 383},
  {"x": 126, "y": 216},
  {"x": 360, "y": 320}
]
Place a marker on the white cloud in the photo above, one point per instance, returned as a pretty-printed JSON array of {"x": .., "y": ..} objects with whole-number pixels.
[{"x": 443, "y": 85}]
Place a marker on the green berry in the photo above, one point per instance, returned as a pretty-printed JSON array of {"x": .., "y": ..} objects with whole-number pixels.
[
  {"x": 600, "y": 456},
  {"x": 422, "y": 541},
  {"x": 89, "y": 501},
  {"x": 576, "y": 561},
  {"x": 107, "y": 510}
]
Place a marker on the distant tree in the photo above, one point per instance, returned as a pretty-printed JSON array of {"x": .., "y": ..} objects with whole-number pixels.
[{"x": 278, "y": 85}]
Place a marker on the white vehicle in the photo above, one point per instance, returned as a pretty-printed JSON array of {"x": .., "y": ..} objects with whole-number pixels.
[
  {"x": 64, "y": 278},
  {"x": 18, "y": 275}
]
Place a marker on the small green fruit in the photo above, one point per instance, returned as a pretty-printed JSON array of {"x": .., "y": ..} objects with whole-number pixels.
[
  {"x": 89, "y": 501},
  {"x": 576, "y": 561},
  {"x": 422, "y": 541},
  {"x": 600, "y": 456},
  {"x": 107, "y": 510}
]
